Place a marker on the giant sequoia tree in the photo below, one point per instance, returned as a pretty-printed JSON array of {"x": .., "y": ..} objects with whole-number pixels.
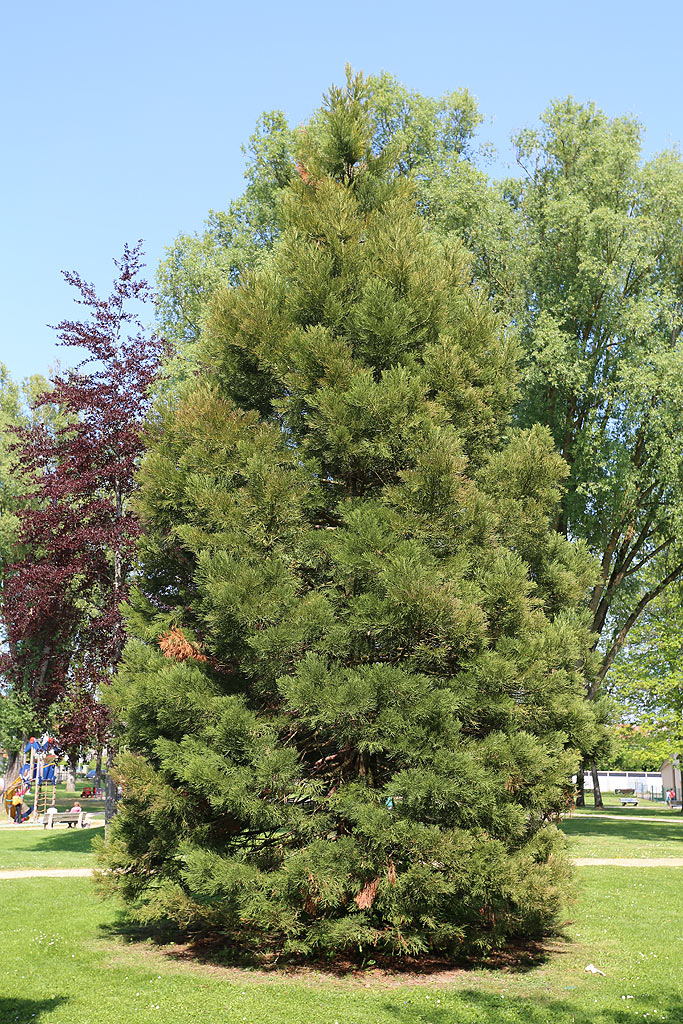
[
  {"x": 421, "y": 135},
  {"x": 353, "y": 693}
]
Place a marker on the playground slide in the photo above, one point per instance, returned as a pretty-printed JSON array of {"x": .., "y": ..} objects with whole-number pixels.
[{"x": 10, "y": 791}]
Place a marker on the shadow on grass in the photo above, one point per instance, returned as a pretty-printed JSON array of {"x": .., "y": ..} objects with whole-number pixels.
[
  {"x": 486, "y": 1008},
  {"x": 217, "y": 951},
  {"x": 28, "y": 1011},
  {"x": 632, "y": 831},
  {"x": 66, "y": 840},
  {"x": 643, "y": 809}
]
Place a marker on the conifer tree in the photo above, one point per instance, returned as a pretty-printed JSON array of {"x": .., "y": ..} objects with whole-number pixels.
[{"x": 352, "y": 696}]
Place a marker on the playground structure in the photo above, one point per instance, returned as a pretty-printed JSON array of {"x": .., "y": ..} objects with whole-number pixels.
[{"x": 35, "y": 780}]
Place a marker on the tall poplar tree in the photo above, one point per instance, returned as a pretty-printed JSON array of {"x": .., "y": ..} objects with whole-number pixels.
[
  {"x": 584, "y": 253},
  {"x": 353, "y": 694}
]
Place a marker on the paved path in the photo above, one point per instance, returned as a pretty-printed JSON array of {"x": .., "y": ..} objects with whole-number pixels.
[{"x": 48, "y": 873}]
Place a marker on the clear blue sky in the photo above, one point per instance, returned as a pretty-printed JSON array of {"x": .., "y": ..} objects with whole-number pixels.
[{"x": 125, "y": 120}]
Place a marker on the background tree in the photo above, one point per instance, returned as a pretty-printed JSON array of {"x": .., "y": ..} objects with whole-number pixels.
[
  {"x": 16, "y": 411},
  {"x": 82, "y": 723},
  {"x": 76, "y": 531},
  {"x": 353, "y": 693},
  {"x": 636, "y": 747},
  {"x": 584, "y": 253},
  {"x": 647, "y": 678}
]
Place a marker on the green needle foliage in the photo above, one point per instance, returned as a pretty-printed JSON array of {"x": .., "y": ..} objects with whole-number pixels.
[
  {"x": 426, "y": 137},
  {"x": 353, "y": 694}
]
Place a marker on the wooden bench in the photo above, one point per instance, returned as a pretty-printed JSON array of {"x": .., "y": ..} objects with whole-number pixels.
[
  {"x": 69, "y": 818},
  {"x": 629, "y": 801}
]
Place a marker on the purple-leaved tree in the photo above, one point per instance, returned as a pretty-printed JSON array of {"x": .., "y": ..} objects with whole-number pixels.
[{"x": 78, "y": 532}]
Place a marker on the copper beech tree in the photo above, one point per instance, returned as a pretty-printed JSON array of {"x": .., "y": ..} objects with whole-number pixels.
[{"x": 61, "y": 599}]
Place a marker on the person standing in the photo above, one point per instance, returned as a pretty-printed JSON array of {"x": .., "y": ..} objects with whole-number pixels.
[{"x": 17, "y": 801}]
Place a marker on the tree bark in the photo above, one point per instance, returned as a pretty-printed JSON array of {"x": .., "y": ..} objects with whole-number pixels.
[
  {"x": 597, "y": 795},
  {"x": 580, "y": 789},
  {"x": 98, "y": 768},
  {"x": 71, "y": 773},
  {"x": 110, "y": 789},
  {"x": 15, "y": 761}
]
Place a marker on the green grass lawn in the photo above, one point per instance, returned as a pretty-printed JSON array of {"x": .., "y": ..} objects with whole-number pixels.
[
  {"x": 66, "y": 963},
  {"x": 602, "y": 837},
  {"x": 68, "y": 958},
  {"x": 613, "y": 806},
  {"x": 64, "y": 800},
  {"x": 60, "y": 847}
]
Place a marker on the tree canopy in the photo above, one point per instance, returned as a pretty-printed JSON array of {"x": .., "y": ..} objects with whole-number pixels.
[
  {"x": 587, "y": 262},
  {"x": 353, "y": 693},
  {"x": 419, "y": 135},
  {"x": 581, "y": 254},
  {"x": 74, "y": 531}
]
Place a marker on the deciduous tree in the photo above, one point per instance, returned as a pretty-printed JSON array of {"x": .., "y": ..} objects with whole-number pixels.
[
  {"x": 647, "y": 678},
  {"x": 76, "y": 529},
  {"x": 584, "y": 252}
]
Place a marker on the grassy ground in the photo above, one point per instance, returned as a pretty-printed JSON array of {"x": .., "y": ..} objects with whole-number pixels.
[
  {"x": 68, "y": 958},
  {"x": 64, "y": 800},
  {"x": 602, "y": 837},
  {"x": 60, "y": 847},
  {"x": 613, "y": 806},
  {"x": 67, "y": 963}
]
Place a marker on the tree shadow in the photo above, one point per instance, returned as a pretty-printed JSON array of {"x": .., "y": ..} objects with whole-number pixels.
[
  {"x": 71, "y": 840},
  {"x": 28, "y": 1011},
  {"x": 631, "y": 831},
  {"x": 644, "y": 809},
  {"x": 216, "y": 951},
  {"x": 130, "y": 932},
  {"x": 487, "y": 1008}
]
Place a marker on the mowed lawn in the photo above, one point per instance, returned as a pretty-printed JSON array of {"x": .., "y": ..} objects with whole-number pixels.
[
  {"x": 68, "y": 960},
  {"x": 65, "y": 800},
  {"x": 59, "y": 847},
  {"x": 612, "y": 805},
  {"x": 606, "y": 837}
]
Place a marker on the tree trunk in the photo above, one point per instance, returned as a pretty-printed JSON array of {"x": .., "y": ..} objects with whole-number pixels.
[
  {"x": 15, "y": 761},
  {"x": 110, "y": 788},
  {"x": 98, "y": 768},
  {"x": 580, "y": 789},
  {"x": 597, "y": 795},
  {"x": 71, "y": 773}
]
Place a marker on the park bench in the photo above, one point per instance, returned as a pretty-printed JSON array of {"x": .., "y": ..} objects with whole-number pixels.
[
  {"x": 69, "y": 818},
  {"x": 628, "y": 801}
]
